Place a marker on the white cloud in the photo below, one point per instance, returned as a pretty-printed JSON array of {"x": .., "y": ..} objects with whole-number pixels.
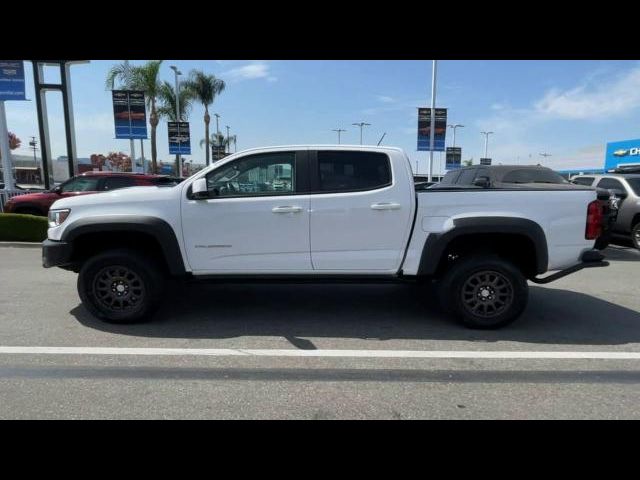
[
  {"x": 392, "y": 105},
  {"x": 605, "y": 99},
  {"x": 385, "y": 99},
  {"x": 251, "y": 71}
]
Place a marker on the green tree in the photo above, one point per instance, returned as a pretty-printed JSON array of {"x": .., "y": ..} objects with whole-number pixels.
[
  {"x": 146, "y": 78},
  {"x": 467, "y": 163},
  {"x": 205, "y": 88}
]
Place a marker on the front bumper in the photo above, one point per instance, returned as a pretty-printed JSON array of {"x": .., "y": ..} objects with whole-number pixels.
[
  {"x": 590, "y": 259},
  {"x": 55, "y": 254}
]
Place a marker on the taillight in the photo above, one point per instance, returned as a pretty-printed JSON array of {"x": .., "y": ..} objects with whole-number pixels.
[{"x": 594, "y": 221}]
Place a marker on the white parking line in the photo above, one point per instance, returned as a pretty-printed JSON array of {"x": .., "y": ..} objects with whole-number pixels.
[{"x": 224, "y": 352}]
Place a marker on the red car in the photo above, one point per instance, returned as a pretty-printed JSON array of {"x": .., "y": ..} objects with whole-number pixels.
[{"x": 90, "y": 182}]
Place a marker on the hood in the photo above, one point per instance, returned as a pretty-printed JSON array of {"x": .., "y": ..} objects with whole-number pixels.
[
  {"x": 30, "y": 197},
  {"x": 123, "y": 195}
]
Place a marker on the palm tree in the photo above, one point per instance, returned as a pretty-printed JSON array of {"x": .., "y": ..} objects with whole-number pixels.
[
  {"x": 146, "y": 78},
  {"x": 205, "y": 88},
  {"x": 232, "y": 139},
  {"x": 218, "y": 142},
  {"x": 167, "y": 108},
  {"x": 167, "y": 102}
]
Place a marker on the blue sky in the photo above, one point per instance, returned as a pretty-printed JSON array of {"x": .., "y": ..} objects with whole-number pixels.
[{"x": 569, "y": 109}]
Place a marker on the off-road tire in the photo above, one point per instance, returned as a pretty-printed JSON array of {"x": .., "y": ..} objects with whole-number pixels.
[
  {"x": 121, "y": 286},
  {"x": 484, "y": 291}
]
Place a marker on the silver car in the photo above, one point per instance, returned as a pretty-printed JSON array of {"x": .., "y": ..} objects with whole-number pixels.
[{"x": 626, "y": 189}]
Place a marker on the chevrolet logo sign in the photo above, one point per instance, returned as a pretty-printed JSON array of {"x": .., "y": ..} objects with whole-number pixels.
[{"x": 621, "y": 152}]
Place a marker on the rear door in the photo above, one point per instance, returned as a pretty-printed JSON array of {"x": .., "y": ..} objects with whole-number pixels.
[{"x": 360, "y": 211}]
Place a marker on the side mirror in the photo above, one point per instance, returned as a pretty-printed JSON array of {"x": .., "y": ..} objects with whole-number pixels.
[
  {"x": 57, "y": 189},
  {"x": 199, "y": 189},
  {"x": 484, "y": 182}
]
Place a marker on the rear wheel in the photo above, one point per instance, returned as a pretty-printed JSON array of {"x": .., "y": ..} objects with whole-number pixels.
[
  {"x": 120, "y": 286},
  {"x": 635, "y": 235},
  {"x": 484, "y": 292}
]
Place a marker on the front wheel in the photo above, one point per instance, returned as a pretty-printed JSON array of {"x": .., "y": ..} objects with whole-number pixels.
[
  {"x": 120, "y": 286},
  {"x": 484, "y": 292}
]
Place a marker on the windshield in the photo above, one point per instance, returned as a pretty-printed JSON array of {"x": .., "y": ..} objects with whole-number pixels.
[{"x": 80, "y": 184}]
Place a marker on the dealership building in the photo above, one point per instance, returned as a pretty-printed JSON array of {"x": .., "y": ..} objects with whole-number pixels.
[{"x": 617, "y": 154}]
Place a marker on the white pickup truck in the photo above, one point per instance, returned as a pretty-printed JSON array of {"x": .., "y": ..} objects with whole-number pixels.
[{"x": 323, "y": 213}]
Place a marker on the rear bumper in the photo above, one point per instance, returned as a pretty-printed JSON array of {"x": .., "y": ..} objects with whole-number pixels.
[
  {"x": 590, "y": 259},
  {"x": 55, "y": 254}
]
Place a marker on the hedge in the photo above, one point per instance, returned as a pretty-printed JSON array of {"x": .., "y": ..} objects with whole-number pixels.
[{"x": 22, "y": 228}]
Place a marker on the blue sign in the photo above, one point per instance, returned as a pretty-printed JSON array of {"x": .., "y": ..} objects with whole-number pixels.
[
  {"x": 129, "y": 114},
  {"x": 453, "y": 158},
  {"x": 167, "y": 169},
  {"x": 179, "y": 138},
  {"x": 12, "y": 80},
  {"x": 424, "y": 129},
  {"x": 626, "y": 152}
]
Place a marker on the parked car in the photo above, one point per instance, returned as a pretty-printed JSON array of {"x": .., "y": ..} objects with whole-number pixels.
[
  {"x": 526, "y": 177},
  {"x": 626, "y": 189},
  {"x": 422, "y": 181},
  {"x": 86, "y": 183},
  {"x": 351, "y": 214},
  {"x": 503, "y": 176}
]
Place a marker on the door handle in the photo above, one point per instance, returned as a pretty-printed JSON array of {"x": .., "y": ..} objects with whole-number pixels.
[
  {"x": 385, "y": 206},
  {"x": 286, "y": 209}
]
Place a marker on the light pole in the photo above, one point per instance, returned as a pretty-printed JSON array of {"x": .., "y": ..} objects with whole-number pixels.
[
  {"x": 33, "y": 145},
  {"x": 457, "y": 125},
  {"x": 177, "y": 73},
  {"x": 339, "y": 130},
  {"x": 227, "y": 146},
  {"x": 361, "y": 124},
  {"x": 432, "y": 129},
  {"x": 217, "y": 135},
  {"x": 545, "y": 155},
  {"x": 486, "y": 142}
]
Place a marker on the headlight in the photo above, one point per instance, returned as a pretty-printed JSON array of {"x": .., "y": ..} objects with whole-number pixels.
[{"x": 56, "y": 217}]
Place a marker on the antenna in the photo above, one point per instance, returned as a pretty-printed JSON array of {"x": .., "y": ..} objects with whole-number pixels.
[{"x": 381, "y": 138}]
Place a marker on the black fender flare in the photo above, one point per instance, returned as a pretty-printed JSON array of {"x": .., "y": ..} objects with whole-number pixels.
[
  {"x": 436, "y": 243},
  {"x": 154, "y": 226}
]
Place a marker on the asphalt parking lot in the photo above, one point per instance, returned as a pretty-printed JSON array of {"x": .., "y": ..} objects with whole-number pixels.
[{"x": 319, "y": 352}]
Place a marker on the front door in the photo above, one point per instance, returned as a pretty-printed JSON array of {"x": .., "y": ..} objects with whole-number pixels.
[{"x": 255, "y": 220}]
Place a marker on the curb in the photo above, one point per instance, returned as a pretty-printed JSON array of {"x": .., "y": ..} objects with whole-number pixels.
[{"x": 21, "y": 244}]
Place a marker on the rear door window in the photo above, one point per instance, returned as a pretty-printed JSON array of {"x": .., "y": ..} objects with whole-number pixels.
[
  {"x": 352, "y": 171},
  {"x": 583, "y": 181},
  {"x": 531, "y": 175},
  {"x": 611, "y": 184}
]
